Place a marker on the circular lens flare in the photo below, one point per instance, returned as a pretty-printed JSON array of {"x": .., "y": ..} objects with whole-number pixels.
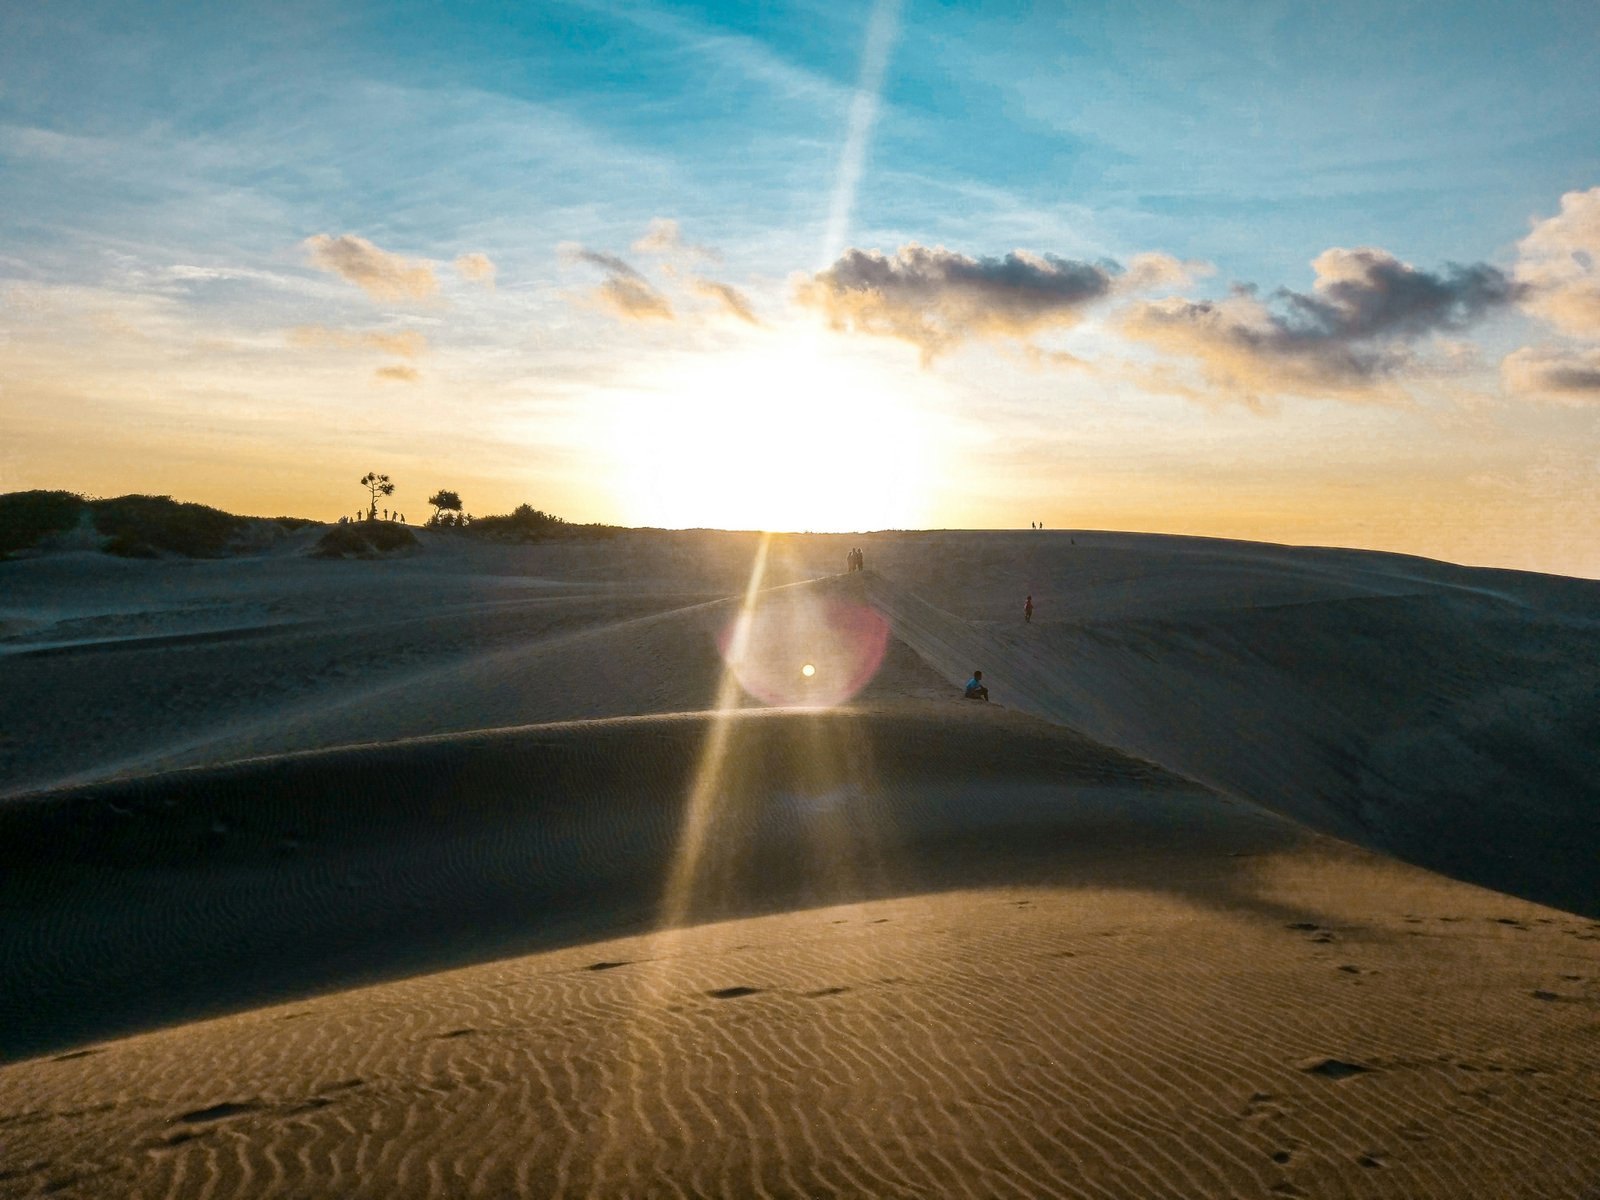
[{"x": 840, "y": 644}]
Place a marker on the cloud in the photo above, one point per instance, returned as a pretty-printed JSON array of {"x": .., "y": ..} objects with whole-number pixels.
[
  {"x": 663, "y": 237},
  {"x": 1559, "y": 265},
  {"x": 406, "y": 343},
  {"x": 1148, "y": 272},
  {"x": 1570, "y": 376},
  {"x": 731, "y": 298},
  {"x": 633, "y": 299},
  {"x": 610, "y": 263},
  {"x": 626, "y": 293},
  {"x": 382, "y": 275},
  {"x": 1353, "y": 332},
  {"x": 935, "y": 298},
  {"x": 476, "y": 268},
  {"x": 396, "y": 375}
]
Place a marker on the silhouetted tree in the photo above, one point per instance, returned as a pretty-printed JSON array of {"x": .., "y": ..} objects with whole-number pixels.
[
  {"x": 444, "y": 502},
  {"x": 377, "y": 485}
]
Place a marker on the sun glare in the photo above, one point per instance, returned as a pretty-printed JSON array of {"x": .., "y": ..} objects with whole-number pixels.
[{"x": 788, "y": 439}]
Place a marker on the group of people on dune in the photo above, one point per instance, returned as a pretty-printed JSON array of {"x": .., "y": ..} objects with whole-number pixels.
[{"x": 855, "y": 560}]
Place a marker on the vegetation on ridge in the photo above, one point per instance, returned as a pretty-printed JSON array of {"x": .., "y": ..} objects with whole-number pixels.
[{"x": 135, "y": 526}]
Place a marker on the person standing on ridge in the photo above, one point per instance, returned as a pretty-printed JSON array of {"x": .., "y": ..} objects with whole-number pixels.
[{"x": 1027, "y": 609}]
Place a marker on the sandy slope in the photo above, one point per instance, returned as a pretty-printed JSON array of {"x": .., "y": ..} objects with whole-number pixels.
[
  {"x": 1346, "y": 1028},
  {"x": 952, "y": 950}
]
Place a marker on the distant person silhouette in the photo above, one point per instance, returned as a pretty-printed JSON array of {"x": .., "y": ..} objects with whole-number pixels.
[
  {"x": 975, "y": 688},
  {"x": 1027, "y": 609}
]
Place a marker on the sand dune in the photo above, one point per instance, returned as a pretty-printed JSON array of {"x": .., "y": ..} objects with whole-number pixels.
[
  {"x": 437, "y": 877},
  {"x": 1450, "y": 727}
]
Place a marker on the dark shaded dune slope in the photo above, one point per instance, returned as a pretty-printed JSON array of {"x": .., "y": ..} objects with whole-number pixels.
[
  {"x": 1454, "y": 725},
  {"x": 163, "y": 898}
]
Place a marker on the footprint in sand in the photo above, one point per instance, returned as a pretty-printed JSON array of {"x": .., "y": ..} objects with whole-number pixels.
[
  {"x": 732, "y": 993},
  {"x": 218, "y": 1112},
  {"x": 606, "y": 966},
  {"x": 1332, "y": 1068},
  {"x": 1260, "y": 1108}
]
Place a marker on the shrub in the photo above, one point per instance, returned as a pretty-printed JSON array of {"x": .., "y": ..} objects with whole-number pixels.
[
  {"x": 364, "y": 539},
  {"x": 144, "y": 526},
  {"x": 523, "y": 524},
  {"x": 26, "y": 518}
]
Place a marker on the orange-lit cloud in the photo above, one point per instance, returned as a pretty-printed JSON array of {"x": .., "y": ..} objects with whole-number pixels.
[
  {"x": 1562, "y": 374},
  {"x": 936, "y": 298},
  {"x": 406, "y": 343},
  {"x": 664, "y": 237},
  {"x": 476, "y": 268},
  {"x": 633, "y": 299},
  {"x": 731, "y": 298},
  {"x": 625, "y": 293},
  {"x": 1559, "y": 265},
  {"x": 382, "y": 275},
  {"x": 397, "y": 375},
  {"x": 1353, "y": 335}
]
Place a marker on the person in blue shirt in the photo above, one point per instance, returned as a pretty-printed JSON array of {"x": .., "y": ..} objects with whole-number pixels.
[{"x": 975, "y": 688}]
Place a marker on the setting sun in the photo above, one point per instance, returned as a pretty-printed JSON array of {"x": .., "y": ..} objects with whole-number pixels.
[{"x": 785, "y": 435}]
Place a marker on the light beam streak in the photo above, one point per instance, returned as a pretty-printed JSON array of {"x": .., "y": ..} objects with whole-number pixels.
[{"x": 882, "y": 31}]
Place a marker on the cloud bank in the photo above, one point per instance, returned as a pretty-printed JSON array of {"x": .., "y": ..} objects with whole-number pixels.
[
  {"x": 382, "y": 275},
  {"x": 1355, "y": 330},
  {"x": 936, "y": 298},
  {"x": 1558, "y": 266}
]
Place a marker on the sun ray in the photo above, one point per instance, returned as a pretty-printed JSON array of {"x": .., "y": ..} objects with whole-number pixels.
[
  {"x": 882, "y": 30},
  {"x": 679, "y": 892}
]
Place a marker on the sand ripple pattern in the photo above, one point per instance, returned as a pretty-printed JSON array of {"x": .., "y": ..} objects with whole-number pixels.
[{"x": 1060, "y": 1041}]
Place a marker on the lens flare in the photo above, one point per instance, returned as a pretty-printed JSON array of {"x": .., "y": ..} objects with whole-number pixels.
[{"x": 840, "y": 644}]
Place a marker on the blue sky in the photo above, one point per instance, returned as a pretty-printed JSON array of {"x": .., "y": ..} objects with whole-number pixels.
[{"x": 167, "y": 324}]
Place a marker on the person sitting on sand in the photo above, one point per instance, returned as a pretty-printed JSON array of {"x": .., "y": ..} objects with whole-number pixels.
[{"x": 975, "y": 688}]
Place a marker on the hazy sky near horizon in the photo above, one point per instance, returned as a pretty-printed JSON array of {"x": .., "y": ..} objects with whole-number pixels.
[{"x": 1310, "y": 273}]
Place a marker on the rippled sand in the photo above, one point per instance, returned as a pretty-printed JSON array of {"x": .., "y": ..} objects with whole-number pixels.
[{"x": 554, "y": 929}]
